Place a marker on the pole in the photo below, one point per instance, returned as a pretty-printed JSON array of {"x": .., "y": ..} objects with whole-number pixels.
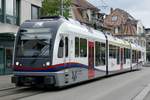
[{"x": 62, "y": 7}]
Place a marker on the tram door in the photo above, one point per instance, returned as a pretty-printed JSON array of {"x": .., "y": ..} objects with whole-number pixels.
[
  {"x": 122, "y": 58},
  {"x": 91, "y": 72},
  {"x": 63, "y": 50}
]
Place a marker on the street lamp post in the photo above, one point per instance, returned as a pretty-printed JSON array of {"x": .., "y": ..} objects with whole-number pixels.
[{"x": 62, "y": 7}]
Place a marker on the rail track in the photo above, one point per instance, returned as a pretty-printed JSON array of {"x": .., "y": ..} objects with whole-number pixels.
[{"x": 17, "y": 93}]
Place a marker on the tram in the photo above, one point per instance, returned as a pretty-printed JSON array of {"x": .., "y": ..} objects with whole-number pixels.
[{"x": 55, "y": 51}]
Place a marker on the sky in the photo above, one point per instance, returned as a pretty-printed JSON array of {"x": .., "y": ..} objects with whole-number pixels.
[{"x": 139, "y": 9}]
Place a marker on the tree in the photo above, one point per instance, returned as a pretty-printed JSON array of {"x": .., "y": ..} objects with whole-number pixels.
[{"x": 53, "y": 7}]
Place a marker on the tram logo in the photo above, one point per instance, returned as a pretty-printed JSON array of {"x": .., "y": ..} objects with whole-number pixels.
[{"x": 74, "y": 75}]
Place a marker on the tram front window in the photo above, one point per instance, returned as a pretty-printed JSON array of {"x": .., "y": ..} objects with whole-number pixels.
[{"x": 34, "y": 42}]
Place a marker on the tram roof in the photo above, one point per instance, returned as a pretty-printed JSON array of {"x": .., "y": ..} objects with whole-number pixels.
[
  {"x": 74, "y": 27},
  {"x": 118, "y": 42}
]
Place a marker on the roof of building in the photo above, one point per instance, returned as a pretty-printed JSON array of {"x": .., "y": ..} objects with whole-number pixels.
[
  {"x": 84, "y": 4},
  {"x": 124, "y": 13},
  {"x": 124, "y": 21},
  {"x": 79, "y": 6}
]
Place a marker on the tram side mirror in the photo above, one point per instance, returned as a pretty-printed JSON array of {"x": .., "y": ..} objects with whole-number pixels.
[{"x": 61, "y": 43}]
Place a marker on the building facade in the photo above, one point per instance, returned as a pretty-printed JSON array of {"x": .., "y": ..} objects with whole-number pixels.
[
  {"x": 120, "y": 22},
  {"x": 147, "y": 34},
  {"x": 85, "y": 12},
  {"x": 12, "y": 14},
  {"x": 123, "y": 25}
]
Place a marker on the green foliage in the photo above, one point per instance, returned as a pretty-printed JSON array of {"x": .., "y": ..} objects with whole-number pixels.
[{"x": 53, "y": 7}]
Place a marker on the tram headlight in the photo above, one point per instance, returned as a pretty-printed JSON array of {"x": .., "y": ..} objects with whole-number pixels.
[
  {"x": 47, "y": 63},
  {"x": 17, "y": 63}
]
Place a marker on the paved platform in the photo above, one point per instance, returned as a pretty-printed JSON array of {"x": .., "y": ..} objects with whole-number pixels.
[
  {"x": 5, "y": 82},
  {"x": 147, "y": 64},
  {"x": 143, "y": 94}
]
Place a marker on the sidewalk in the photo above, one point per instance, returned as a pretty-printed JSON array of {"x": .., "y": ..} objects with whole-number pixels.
[
  {"x": 5, "y": 82},
  {"x": 147, "y": 64},
  {"x": 147, "y": 97}
]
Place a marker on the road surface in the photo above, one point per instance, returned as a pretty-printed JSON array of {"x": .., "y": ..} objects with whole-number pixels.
[{"x": 125, "y": 86}]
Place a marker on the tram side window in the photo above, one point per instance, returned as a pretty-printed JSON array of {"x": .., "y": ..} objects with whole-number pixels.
[
  {"x": 128, "y": 53},
  {"x": 118, "y": 55},
  {"x": 76, "y": 47},
  {"x": 125, "y": 55},
  {"x": 83, "y": 47},
  {"x": 66, "y": 47},
  {"x": 61, "y": 49},
  {"x": 136, "y": 59},
  {"x": 97, "y": 54},
  {"x": 100, "y": 51},
  {"x": 139, "y": 54},
  {"x": 103, "y": 53},
  {"x": 133, "y": 56},
  {"x": 112, "y": 51}
]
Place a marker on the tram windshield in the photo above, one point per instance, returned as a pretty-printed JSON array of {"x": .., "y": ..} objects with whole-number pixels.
[{"x": 34, "y": 42}]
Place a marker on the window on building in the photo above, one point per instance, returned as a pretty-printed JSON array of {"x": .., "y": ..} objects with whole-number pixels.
[
  {"x": 8, "y": 57},
  {"x": 12, "y": 11},
  {"x": 0, "y": 6},
  {"x": 76, "y": 47},
  {"x": 116, "y": 30},
  {"x": 9, "y": 11},
  {"x": 114, "y": 18},
  {"x": 83, "y": 47},
  {"x": 1, "y": 11},
  {"x": 2, "y": 50},
  {"x": 34, "y": 12},
  {"x": 10, "y": 7}
]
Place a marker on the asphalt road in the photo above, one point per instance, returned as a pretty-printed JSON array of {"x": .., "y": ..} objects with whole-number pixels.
[{"x": 120, "y": 87}]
